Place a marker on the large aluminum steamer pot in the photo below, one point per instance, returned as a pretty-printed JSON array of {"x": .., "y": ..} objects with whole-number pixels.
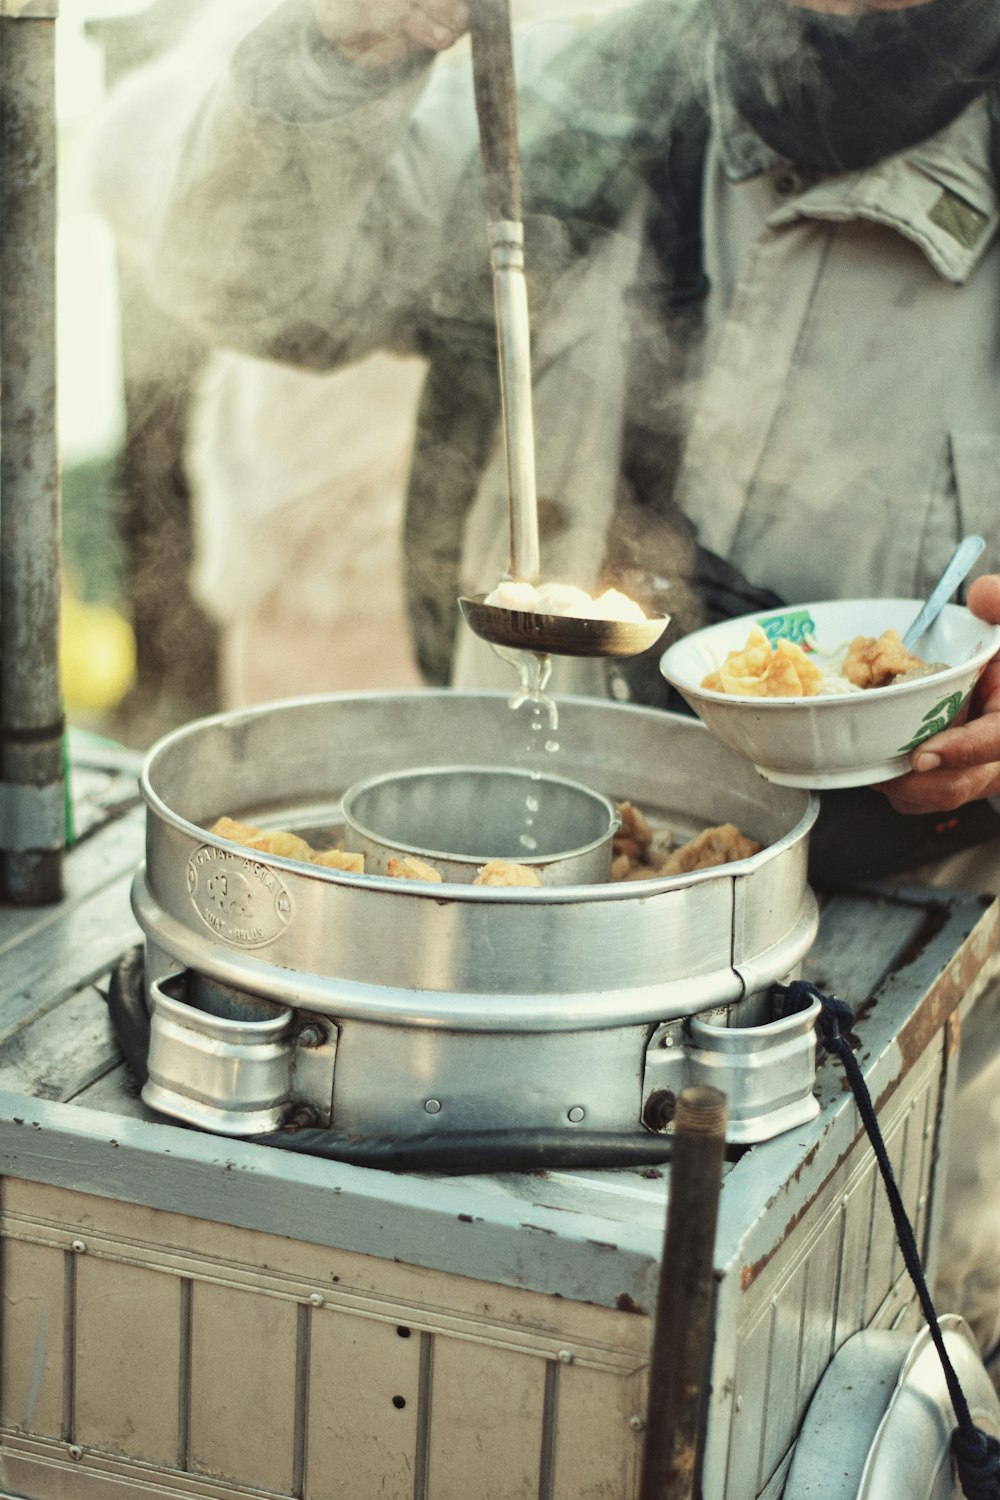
[{"x": 452, "y": 1006}]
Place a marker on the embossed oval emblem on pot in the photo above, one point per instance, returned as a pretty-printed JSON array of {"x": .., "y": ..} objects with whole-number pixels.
[{"x": 240, "y": 899}]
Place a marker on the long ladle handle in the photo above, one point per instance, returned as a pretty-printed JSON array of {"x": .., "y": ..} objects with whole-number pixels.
[{"x": 496, "y": 109}]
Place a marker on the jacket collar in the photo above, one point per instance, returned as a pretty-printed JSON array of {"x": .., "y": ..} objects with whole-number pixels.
[{"x": 941, "y": 194}]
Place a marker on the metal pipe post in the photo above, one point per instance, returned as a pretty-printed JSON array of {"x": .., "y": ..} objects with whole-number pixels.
[
  {"x": 682, "y": 1331},
  {"x": 32, "y": 787}
]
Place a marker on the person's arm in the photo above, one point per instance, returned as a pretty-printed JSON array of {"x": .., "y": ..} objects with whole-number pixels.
[
  {"x": 286, "y": 197},
  {"x": 961, "y": 764}
]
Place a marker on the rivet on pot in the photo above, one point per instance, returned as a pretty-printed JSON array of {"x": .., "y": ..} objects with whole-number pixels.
[
  {"x": 576, "y": 1114},
  {"x": 432, "y": 1106}
]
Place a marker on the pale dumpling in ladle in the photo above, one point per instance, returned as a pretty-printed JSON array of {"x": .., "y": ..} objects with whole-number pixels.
[{"x": 566, "y": 600}]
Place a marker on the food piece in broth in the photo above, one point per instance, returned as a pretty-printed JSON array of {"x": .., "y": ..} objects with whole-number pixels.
[
  {"x": 409, "y": 867},
  {"x": 341, "y": 859},
  {"x": 288, "y": 845},
  {"x": 712, "y": 846},
  {"x": 565, "y": 600},
  {"x": 237, "y": 833},
  {"x": 761, "y": 670},
  {"x": 877, "y": 661},
  {"x": 504, "y": 872},
  {"x": 285, "y": 845},
  {"x": 634, "y": 835}
]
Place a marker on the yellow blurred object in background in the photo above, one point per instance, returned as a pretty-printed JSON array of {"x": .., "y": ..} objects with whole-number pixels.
[{"x": 96, "y": 657}]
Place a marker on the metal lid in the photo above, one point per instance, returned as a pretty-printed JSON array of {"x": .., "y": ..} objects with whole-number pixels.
[{"x": 881, "y": 1421}]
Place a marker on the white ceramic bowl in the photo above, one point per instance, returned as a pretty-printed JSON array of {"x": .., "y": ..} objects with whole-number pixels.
[{"x": 835, "y": 740}]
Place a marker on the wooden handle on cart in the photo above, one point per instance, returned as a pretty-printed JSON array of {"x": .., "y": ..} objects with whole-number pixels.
[
  {"x": 682, "y": 1333},
  {"x": 496, "y": 106}
]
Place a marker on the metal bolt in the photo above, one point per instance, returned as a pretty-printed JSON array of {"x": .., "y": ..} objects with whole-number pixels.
[
  {"x": 565, "y": 1356},
  {"x": 637, "y": 1423},
  {"x": 311, "y": 1036},
  {"x": 303, "y": 1117},
  {"x": 576, "y": 1114},
  {"x": 317, "y": 1299},
  {"x": 75, "y": 1451},
  {"x": 659, "y": 1109},
  {"x": 432, "y": 1106},
  {"x": 79, "y": 1246},
  {"x": 668, "y": 1040}
]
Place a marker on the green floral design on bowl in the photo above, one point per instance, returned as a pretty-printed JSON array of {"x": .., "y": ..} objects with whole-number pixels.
[{"x": 935, "y": 719}]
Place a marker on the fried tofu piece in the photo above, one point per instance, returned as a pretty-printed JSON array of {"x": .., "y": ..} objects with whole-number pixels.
[
  {"x": 712, "y": 846},
  {"x": 264, "y": 841},
  {"x": 637, "y": 850},
  {"x": 634, "y": 835},
  {"x": 237, "y": 833},
  {"x": 875, "y": 661},
  {"x": 643, "y": 872},
  {"x": 409, "y": 867},
  {"x": 761, "y": 670},
  {"x": 505, "y": 872},
  {"x": 285, "y": 845},
  {"x": 341, "y": 859}
]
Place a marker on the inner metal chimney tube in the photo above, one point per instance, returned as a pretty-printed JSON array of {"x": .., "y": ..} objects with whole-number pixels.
[{"x": 32, "y": 784}]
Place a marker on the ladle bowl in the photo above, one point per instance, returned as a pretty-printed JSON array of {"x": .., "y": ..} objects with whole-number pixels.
[{"x": 559, "y": 635}]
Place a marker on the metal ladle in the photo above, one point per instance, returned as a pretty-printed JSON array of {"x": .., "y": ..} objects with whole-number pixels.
[{"x": 496, "y": 109}]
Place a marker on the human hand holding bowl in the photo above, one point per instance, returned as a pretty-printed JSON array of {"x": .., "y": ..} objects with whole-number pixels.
[{"x": 962, "y": 763}]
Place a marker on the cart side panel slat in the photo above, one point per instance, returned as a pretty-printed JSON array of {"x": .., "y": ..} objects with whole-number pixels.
[
  {"x": 359, "y": 1372},
  {"x": 486, "y": 1422},
  {"x": 752, "y": 1382},
  {"x": 782, "y": 1408},
  {"x": 822, "y": 1269},
  {"x": 884, "y": 1260},
  {"x": 34, "y": 1344},
  {"x": 914, "y": 1175},
  {"x": 858, "y": 1212},
  {"x": 243, "y": 1387},
  {"x": 597, "y": 1453},
  {"x": 126, "y": 1360}
]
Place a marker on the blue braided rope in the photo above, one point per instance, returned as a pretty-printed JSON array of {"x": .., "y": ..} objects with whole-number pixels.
[{"x": 976, "y": 1453}]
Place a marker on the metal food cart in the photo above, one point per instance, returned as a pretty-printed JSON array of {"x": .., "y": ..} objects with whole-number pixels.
[{"x": 189, "y": 1315}]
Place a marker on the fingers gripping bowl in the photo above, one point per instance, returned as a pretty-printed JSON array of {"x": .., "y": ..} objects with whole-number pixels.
[{"x": 835, "y": 738}]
